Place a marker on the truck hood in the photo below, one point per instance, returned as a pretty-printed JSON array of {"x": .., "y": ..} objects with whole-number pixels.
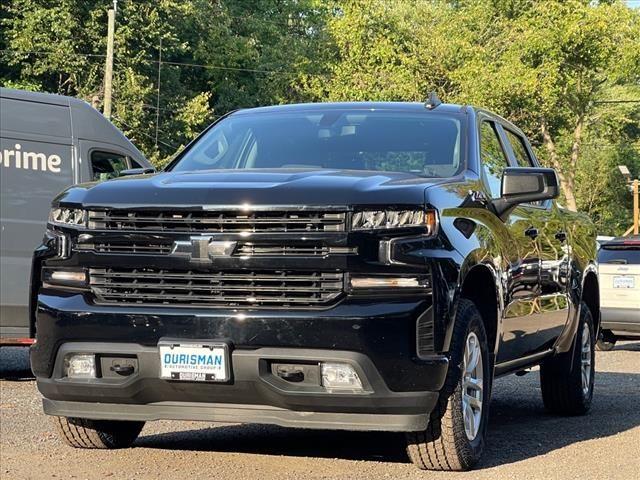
[{"x": 253, "y": 187}]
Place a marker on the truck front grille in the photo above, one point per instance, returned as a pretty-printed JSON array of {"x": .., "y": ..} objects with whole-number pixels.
[
  {"x": 146, "y": 286},
  {"x": 217, "y": 221}
]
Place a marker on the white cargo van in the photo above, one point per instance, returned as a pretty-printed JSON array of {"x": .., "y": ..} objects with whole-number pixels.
[{"x": 47, "y": 142}]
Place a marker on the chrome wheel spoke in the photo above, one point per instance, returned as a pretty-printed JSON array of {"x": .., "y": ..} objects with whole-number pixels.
[
  {"x": 473, "y": 402},
  {"x": 472, "y": 385},
  {"x": 585, "y": 359}
]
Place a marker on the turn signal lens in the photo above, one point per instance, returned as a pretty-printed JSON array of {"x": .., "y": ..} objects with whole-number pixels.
[
  {"x": 66, "y": 277},
  {"x": 389, "y": 282}
]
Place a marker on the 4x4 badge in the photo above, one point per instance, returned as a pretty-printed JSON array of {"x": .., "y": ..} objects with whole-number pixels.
[{"x": 202, "y": 249}]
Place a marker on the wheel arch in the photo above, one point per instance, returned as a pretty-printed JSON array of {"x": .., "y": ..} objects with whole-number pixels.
[
  {"x": 590, "y": 295},
  {"x": 480, "y": 283}
]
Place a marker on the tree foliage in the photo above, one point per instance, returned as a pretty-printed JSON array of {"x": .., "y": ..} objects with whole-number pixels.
[{"x": 549, "y": 66}]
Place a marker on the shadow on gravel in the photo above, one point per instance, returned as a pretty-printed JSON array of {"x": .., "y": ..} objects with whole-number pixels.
[
  {"x": 627, "y": 346},
  {"x": 519, "y": 428},
  {"x": 14, "y": 364}
]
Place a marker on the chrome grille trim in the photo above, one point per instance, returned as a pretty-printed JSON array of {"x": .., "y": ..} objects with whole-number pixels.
[
  {"x": 190, "y": 288},
  {"x": 259, "y": 250},
  {"x": 126, "y": 248},
  {"x": 244, "y": 250},
  {"x": 218, "y": 221}
]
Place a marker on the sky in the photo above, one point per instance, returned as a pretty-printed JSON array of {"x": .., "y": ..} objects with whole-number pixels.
[{"x": 633, "y": 3}]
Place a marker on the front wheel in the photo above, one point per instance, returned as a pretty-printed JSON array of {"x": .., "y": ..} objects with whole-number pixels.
[
  {"x": 567, "y": 379},
  {"x": 454, "y": 438},
  {"x": 85, "y": 433}
]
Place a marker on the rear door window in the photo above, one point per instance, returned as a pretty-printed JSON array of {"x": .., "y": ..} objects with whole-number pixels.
[
  {"x": 106, "y": 165},
  {"x": 519, "y": 149}
]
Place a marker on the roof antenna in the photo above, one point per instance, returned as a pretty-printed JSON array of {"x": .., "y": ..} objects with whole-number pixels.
[{"x": 432, "y": 101}]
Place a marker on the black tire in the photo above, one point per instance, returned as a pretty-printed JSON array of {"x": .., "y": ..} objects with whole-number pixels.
[
  {"x": 607, "y": 341},
  {"x": 563, "y": 389},
  {"x": 84, "y": 433},
  {"x": 444, "y": 445}
]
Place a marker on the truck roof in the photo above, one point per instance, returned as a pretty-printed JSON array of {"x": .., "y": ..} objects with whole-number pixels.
[{"x": 406, "y": 106}]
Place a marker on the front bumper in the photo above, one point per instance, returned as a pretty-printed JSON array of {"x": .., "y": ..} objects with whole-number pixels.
[
  {"x": 254, "y": 394},
  {"x": 375, "y": 336}
]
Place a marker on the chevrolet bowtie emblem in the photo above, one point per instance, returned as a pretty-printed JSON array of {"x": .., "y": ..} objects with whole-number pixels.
[{"x": 202, "y": 249}]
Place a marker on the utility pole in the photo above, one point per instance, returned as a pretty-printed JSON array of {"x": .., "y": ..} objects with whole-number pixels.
[
  {"x": 636, "y": 208},
  {"x": 158, "y": 91},
  {"x": 108, "y": 71},
  {"x": 634, "y": 187}
]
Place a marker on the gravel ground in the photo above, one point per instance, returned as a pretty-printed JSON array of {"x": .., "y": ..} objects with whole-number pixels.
[{"x": 523, "y": 440}]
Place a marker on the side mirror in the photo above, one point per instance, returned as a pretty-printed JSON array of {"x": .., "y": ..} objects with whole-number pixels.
[
  {"x": 136, "y": 171},
  {"x": 525, "y": 185}
]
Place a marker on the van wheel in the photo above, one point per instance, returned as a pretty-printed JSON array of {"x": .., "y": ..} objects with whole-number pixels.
[
  {"x": 85, "y": 433},
  {"x": 567, "y": 379},
  {"x": 454, "y": 438}
]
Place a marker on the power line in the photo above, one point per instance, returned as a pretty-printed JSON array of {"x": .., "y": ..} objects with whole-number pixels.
[
  {"x": 41, "y": 52},
  {"x": 180, "y": 64},
  {"x": 618, "y": 101},
  {"x": 236, "y": 69},
  {"x": 143, "y": 133}
]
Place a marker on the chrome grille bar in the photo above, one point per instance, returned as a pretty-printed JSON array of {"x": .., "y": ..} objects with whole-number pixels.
[
  {"x": 222, "y": 289},
  {"x": 210, "y": 221}
]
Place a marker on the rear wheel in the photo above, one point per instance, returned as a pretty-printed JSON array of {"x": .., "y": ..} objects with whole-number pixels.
[
  {"x": 454, "y": 438},
  {"x": 567, "y": 379},
  {"x": 85, "y": 433}
]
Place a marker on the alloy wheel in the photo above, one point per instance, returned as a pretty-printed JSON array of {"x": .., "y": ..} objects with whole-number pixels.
[
  {"x": 472, "y": 386},
  {"x": 585, "y": 359}
]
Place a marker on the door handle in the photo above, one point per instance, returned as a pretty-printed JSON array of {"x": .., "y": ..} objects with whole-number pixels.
[
  {"x": 531, "y": 232},
  {"x": 561, "y": 236}
]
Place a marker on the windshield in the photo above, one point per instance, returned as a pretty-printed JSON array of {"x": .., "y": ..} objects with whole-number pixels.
[{"x": 420, "y": 143}]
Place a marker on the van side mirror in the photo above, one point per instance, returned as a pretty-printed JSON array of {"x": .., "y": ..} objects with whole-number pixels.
[
  {"x": 525, "y": 185},
  {"x": 136, "y": 171}
]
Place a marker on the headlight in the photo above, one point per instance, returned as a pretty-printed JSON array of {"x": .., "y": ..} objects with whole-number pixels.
[
  {"x": 384, "y": 219},
  {"x": 68, "y": 216}
]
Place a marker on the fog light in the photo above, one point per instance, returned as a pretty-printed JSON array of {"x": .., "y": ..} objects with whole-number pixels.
[
  {"x": 340, "y": 376},
  {"x": 80, "y": 366}
]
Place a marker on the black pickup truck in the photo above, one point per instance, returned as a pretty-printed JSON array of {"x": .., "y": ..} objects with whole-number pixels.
[{"x": 356, "y": 266}]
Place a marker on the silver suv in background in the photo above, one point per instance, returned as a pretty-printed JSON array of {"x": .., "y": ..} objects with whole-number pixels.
[{"x": 619, "y": 272}]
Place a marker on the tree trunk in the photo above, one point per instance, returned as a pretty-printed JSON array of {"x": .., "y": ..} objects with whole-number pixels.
[{"x": 566, "y": 180}]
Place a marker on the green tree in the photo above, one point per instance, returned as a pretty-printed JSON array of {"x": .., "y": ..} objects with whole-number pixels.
[
  {"x": 216, "y": 57},
  {"x": 545, "y": 65}
]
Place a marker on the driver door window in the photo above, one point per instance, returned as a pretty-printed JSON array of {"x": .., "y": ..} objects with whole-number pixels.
[
  {"x": 492, "y": 156},
  {"x": 106, "y": 165}
]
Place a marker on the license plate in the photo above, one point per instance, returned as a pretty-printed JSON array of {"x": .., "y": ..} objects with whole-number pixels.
[
  {"x": 624, "y": 281},
  {"x": 197, "y": 362}
]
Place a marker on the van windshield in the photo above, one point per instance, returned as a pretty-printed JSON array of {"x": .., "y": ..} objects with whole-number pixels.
[{"x": 424, "y": 144}]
